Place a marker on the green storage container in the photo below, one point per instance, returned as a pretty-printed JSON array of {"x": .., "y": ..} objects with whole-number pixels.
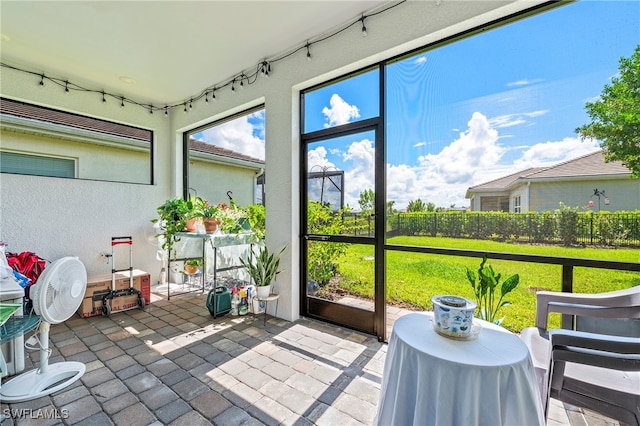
[{"x": 219, "y": 301}]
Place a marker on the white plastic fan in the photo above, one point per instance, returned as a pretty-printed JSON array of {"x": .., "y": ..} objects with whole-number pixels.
[{"x": 56, "y": 296}]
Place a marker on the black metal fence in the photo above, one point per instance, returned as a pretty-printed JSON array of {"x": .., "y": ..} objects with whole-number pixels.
[{"x": 565, "y": 227}]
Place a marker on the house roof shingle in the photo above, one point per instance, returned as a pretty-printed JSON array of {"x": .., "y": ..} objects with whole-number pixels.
[
  {"x": 505, "y": 181},
  {"x": 37, "y": 112},
  {"x": 223, "y": 152},
  {"x": 585, "y": 166}
]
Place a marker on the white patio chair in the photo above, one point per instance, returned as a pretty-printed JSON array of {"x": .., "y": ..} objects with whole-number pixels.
[{"x": 595, "y": 365}]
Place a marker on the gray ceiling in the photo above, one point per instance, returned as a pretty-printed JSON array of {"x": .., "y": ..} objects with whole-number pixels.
[{"x": 172, "y": 49}]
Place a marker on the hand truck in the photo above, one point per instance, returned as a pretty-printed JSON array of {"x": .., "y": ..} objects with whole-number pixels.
[{"x": 106, "y": 307}]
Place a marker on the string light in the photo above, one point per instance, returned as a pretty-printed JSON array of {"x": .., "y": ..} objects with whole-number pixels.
[{"x": 263, "y": 68}]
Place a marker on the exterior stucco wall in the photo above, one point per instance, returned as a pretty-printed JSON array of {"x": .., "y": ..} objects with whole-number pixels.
[
  {"x": 57, "y": 217},
  {"x": 212, "y": 181},
  {"x": 93, "y": 161},
  {"x": 623, "y": 194}
]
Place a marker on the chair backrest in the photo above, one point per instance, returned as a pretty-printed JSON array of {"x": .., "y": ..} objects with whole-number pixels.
[
  {"x": 629, "y": 327},
  {"x": 615, "y": 312}
]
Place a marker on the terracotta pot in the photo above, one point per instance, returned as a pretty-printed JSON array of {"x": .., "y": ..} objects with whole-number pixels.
[
  {"x": 211, "y": 225},
  {"x": 192, "y": 225},
  {"x": 190, "y": 269}
]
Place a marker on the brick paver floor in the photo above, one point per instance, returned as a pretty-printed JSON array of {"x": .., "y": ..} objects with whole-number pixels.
[{"x": 173, "y": 364}]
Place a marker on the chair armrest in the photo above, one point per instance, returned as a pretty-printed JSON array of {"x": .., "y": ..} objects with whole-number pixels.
[
  {"x": 601, "y": 342},
  {"x": 600, "y": 350},
  {"x": 616, "y": 304}
]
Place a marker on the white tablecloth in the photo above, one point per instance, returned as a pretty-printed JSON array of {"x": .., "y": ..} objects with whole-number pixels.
[{"x": 430, "y": 379}]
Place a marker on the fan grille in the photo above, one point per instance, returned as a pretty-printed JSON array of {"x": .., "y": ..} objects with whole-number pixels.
[{"x": 60, "y": 289}]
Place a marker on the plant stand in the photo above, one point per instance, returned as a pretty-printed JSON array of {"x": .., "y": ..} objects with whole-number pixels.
[
  {"x": 266, "y": 301},
  {"x": 208, "y": 247}
]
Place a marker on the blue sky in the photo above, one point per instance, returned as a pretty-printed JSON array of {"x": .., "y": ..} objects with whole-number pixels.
[{"x": 484, "y": 107}]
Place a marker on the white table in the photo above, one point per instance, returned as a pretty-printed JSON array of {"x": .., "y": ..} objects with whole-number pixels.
[{"x": 430, "y": 379}]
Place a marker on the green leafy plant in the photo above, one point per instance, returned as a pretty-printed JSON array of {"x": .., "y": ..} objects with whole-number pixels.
[
  {"x": 484, "y": 284},
  {"x": 263, "y": 268},
  {"x": 210, "y": 211},
  {"x": 193, "y": 262},
  {"x": 321, "y": 256},
  {"x": 567, "y": 219},
  {"x": 257, "y": 219},
  {"x": 191, "y": 266},
  {"x": 173, "y": 215},
  {"x": 233, "y": 218}
]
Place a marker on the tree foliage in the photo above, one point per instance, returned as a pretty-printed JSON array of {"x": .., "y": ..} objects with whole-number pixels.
[
  {"x": 416, "y": 206},
  {"x": 367, "y": 200},
  {"x": 322, "y": 256},
  {"x": 615, "y": 117}
]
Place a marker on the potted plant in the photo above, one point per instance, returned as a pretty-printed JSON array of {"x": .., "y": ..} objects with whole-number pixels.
[
  {"x": 194, "y": 216},
  {"x": 263, "y": 268},
  {"x": 233, "y": 219},
  {"x": 173, "y": 214},
  {"x": 192, "y": 266},
  {"x": 484, "y": 287},
  {"x": 211, "y": 217}
]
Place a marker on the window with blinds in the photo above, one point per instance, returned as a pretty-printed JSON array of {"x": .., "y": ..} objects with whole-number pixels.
[{"x": 39, "y": 165}]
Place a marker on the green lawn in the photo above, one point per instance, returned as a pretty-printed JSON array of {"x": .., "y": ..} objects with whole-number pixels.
[{"x": 414, "y": 277}]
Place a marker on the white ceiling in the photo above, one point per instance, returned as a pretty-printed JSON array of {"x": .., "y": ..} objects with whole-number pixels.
[{"x": 172, "y": 49}]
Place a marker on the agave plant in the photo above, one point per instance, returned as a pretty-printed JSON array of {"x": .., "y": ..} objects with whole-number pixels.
[
  {"x": 264, "y": 267},
  {"x": 484, "y": 287}
]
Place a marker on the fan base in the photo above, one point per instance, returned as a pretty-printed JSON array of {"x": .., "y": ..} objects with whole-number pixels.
[{"x": 32, "y": 384}]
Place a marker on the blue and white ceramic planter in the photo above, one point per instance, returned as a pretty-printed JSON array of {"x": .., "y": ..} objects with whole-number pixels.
[{"x": 453, "y": 315}]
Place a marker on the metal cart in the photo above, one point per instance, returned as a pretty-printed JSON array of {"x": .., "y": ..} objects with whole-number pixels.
[{"x": 111, "y": 294}]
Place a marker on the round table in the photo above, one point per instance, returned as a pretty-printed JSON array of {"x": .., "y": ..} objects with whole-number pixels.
[{"x": 430, "y": 379}]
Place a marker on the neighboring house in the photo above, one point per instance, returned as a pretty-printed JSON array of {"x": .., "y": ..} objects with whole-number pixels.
[
  {"x": 214, "y": 171},
  {"x": 574, "y": 183},
  {"x": 48, "y": 142}
]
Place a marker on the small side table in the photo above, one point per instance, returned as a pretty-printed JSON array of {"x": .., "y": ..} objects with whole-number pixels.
[{"x": 266, "y": 301}]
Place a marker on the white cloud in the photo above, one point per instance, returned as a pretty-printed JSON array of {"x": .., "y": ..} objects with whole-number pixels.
[
  {"x": 317, "y": 159},
  {"x": 340, "y": 112},
  {"x": 475, "y": 148},
  {"x": 360, "y": 175},
  {"x": 509, "y": 120},
  {"x": 443, "y": 178},
  {"x": 236, "y": 135},
  {"x": 536, "y": 113},
  {"x": 552, "y": 152},
  {"x": 524, "y": 82},
  {"x": 420, "y": 60}
]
